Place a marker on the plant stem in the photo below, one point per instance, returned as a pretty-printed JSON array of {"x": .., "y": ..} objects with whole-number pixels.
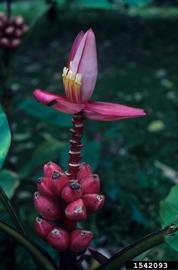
[
  {"x": 9, "y": 2},
  {"x": 75, "y": 146},
  {"x": 29, "y": 246},
  {"x": 137, "y": 248},
  {"x": 11, "y": 248},
  {"x": 52, "y": 13},
  {"x": 9, "y": 208},
  {"x": 6, "y": 94},
  {"x": 68, "y": 261}
]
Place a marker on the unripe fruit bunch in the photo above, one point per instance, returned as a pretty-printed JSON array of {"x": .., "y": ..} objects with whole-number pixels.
[
  {"x": 62, "y": 203},
  {"x": 11, "y": 31}
]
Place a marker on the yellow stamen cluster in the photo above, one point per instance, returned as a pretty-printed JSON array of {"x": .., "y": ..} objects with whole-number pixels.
[{"x": 72, "y": 84}]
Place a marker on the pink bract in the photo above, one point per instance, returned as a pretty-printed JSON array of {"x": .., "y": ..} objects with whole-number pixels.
[
  {"x": 85, "y": 63},
  {"x": 79, "y": 81},
  {"x": 75, "y": 47}
]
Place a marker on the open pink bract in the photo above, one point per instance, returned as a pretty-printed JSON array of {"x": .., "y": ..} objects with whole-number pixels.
[{"x": 79, "y": 77}]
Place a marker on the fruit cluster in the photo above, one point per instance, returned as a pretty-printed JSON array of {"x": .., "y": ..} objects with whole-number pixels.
[
  {"x": 11, "y": 31},
  {"x": 62, "y": 203}
]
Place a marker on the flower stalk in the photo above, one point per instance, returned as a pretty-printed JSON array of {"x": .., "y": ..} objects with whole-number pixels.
[
  {"x": 68, "y": 261},
  {"x": 75, "y": 146}
]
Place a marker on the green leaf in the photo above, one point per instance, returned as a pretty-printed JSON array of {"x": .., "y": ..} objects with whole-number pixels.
[
  {"x": 8, "y": 182},
  {"x": 169, "y": 214},
  {"x": 40, "y": 258},
  {"x": 132, "y": 251},
  {"x": 5, "y": 136},
  {"x": 46, "y": 114},
  {"x": 7, "y": 205},
  {"x": 98, "y": 256}
]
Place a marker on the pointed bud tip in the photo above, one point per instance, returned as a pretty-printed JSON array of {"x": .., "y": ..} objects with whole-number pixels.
[
  {"x": 43, "y": 227},
  {"x": 76, "y": 210},
  {"x": 141, "y": 112},
  {"x": 90, "y": 30},
  {"x": 59, "y": 239},
  {"x": 55, "y": 175},
  {"x": 36, "y": 92},
  {"x": 80, "y": 240},
  {"x": 144, "y": 113},
  {"x": 39, "y": 180}
]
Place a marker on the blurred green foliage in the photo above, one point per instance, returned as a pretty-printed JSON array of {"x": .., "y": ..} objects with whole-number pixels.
[
  {"x": 5, "y": 136},
  {"x": 8, "y": 182},
  {"x": 137, "y": 66},
  {"x": 169, "y": 214}
]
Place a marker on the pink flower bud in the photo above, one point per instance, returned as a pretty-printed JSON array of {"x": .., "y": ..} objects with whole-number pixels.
[
  {"x": 4, "y": 42},
  {"x": 44, "y": 186},
  {"x": 93, "y": 202},
  {"x": 58, "y": 183},
  {"x": 3, "y": 19},
  {"x": 71, "y": 192},
  {"x": 19, "y": 20},
  {"x": 80, "y": 240},
  {"x": 9, "y": 30},
  {"x": 15, "y": 43},
  {"x": 47, "y": 208},
  {"x": 43, "y": 227},
  {"x": 90, "y": 184},
  {"x": 84, "y": 171},
  {"x": 51, "y": 169},
  {"x": 59, "y": 239},
  {"x": 80, "y": 76},
  {"x": 76, "y": 210}
]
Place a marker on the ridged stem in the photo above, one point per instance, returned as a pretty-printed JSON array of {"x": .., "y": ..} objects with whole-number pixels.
[{"x": 75, "y": 146}]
